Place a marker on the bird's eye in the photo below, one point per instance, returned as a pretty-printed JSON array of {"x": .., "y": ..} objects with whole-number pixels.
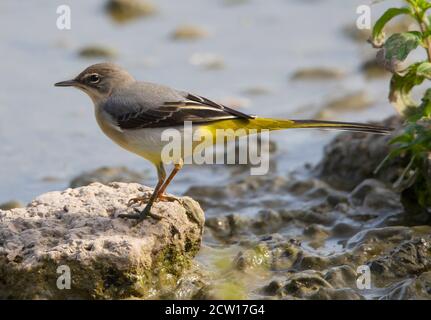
[{"x": 94, "y": 78}]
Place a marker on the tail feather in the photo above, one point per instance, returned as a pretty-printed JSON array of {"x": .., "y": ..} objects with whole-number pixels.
[
  {"x": 257, "y": 123},
  {"x": 348, "y": 126}
]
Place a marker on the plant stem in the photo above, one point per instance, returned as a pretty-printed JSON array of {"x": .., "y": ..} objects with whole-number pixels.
[{"x": 424, "y": 25}]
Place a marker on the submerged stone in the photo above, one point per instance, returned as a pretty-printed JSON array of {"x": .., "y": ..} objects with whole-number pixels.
[
  {"x": 107, "y": 175},
  {"x": 126, "y": 10},
  {"x": 317, "y": 74},
  {"x": 96, "y": 51},
  {"x": 189, "y": 32},
  {"x": 13, "y": 204}
]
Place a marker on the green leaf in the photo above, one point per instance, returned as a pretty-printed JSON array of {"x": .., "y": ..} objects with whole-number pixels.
[
  {"x": 403, "y": 138},
  {"x": 419, "y": 4},
  {"x": 400, "y": 89},
  {"x": 399, "y": 45},
  {"x": 396, "y": 49},
  {"x": 377, "y": 34},
  {"x": 423, "y": 4},
  {"x": 424, "y": 70}
]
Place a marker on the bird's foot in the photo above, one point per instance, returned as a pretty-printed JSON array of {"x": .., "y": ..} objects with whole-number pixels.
[
  {"x": 140, "y": 215},
  {"x": 139, "y": 200},
  {"x": 166, "y": 198},
  {"x": 144, "y": 199}
]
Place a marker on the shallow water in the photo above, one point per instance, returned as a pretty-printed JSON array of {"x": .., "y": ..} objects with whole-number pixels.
[{"x": 49, "y": 134}]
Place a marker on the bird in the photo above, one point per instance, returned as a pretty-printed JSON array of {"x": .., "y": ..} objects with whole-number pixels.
[{"x": 134, "y": 115}]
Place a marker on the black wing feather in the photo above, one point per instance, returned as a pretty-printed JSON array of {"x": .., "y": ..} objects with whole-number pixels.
[
  {"x": 205, "y": 101},
  {"x": 194, "y": 108}
]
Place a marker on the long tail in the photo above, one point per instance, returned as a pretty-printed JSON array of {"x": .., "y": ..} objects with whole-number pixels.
[
  {"x": 279, "y": 124},
  {"x": 348, "y": 126}
]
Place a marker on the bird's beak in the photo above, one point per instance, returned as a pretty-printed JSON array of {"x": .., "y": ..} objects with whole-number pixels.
[{"x": 67, "y": 83}]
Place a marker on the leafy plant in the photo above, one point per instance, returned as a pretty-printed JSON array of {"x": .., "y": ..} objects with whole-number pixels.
[{"x": 414, "y": 140}]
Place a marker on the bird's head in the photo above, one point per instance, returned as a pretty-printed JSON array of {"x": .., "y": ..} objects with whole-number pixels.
[{"x": 99, "y": 80}]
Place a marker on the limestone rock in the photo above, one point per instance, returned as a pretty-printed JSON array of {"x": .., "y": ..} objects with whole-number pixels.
[{"x": 108, "y": 257}]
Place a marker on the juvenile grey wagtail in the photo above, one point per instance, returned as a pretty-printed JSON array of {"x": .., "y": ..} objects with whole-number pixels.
[{"x": 134, "y": 114}]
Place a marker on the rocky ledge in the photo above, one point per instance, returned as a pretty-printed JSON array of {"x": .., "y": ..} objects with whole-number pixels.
[{"x": 78, "y": 230}]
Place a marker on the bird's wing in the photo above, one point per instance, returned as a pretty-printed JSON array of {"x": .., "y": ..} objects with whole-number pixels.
[{"x": 154, "y": 106}]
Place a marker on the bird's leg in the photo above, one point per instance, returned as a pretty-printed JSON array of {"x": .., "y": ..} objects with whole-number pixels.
[
  {"x": 161, "y": 174},
  {"x": 161, "y": 194},
  {"x": 146, "y": 212}
]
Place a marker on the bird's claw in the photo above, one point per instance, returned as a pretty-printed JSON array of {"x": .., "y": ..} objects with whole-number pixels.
[
  {"x": 144, "y": 199},
  {"x": 166, "y": 198},
  {"x": 140, "y": 215},
  {"x": 140, "y": 200}
]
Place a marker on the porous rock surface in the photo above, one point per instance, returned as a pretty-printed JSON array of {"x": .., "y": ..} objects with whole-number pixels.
[{"x": 108, "y": 257}]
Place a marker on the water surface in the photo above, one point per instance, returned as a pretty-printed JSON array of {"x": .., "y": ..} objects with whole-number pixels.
[{"x": 48, "y": 135}]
